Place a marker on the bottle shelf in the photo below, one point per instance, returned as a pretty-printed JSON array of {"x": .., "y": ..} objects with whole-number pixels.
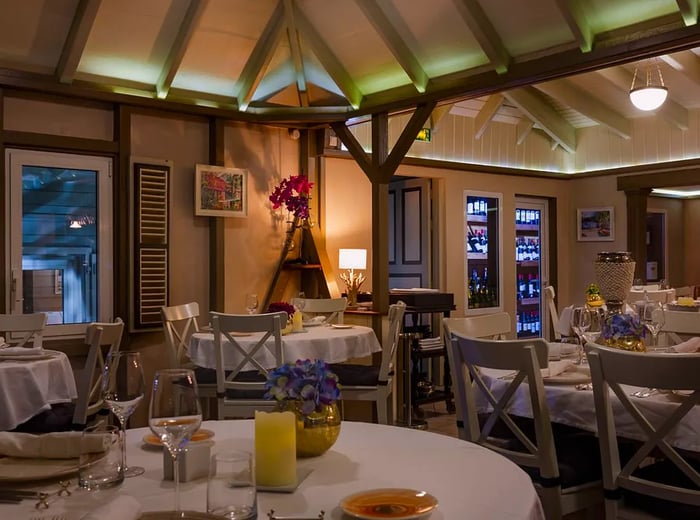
[
  {"x": 530, "y": 301},
  {"x": 477, "y": 256},
  {"x": 477, "y": 219},
  {"x": 527, "y": 227},
  {"x": 528, "y": 263}
]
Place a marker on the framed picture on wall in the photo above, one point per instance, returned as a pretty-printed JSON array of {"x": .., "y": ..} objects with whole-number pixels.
[
  {"x": 595, "y": 224},
  {"x": 220, "y": 191}
]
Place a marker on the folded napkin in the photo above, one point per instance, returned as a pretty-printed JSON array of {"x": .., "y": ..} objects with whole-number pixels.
[
  {"x": 316, "y": 319},
  {"x": 692, "y": 345},
  {"x": 24, "y": 351},
  {"x": 58, "y": 445},
  {"x": 554, "y": 368},
  {"x": 123, "y": 507}
]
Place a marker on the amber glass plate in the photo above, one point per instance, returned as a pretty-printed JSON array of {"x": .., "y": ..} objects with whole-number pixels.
[
  {"x": 198, "y": 436},
  {"x": 396, "y": 503}
]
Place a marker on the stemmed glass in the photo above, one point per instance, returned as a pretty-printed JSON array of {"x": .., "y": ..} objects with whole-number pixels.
[
  {"x": 175, "y": 414},
  {"x": 122, "y": 391},
  {"x": 580, "y": 323},
  {"x": 251, "y": 303},
  {"x": 301, "y": 302},
  {"x": 653, "y": 318},
  {"x": 597, "y": 316}
]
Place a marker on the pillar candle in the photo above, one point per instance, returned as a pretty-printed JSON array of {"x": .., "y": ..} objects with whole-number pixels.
[
  {"x": 275, "y": 449},
  {"x": 297, "y": 322}
]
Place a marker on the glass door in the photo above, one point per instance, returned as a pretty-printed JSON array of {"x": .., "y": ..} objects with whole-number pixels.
[{"x": 530, "y": 266}]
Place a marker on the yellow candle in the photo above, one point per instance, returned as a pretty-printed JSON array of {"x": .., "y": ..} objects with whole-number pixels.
[
  {"x": 297, "y": 322},
  {"x": 275, "y": 449}
]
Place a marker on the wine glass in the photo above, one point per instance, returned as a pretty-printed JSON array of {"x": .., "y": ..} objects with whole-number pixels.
[
  {"x": 597, "y": 316},
  {"x": 653, "y": 318},
  {"x": 580, "y": 323},
  {"x": 251, "y": 303},
  {"x": 174, "y": 414},
  {"x": 122, "y": 391}
]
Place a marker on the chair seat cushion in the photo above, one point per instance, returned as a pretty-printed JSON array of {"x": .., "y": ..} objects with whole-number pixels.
[{"x": 356, "y": 375}]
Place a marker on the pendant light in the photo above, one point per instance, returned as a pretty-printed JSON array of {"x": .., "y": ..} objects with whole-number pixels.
[{"x": 650, "y": 92}]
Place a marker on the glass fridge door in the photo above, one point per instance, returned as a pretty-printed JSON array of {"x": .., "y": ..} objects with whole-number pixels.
[{"x": 530, "y": 255}]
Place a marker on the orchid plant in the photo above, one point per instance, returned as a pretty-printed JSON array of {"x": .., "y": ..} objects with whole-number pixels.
[
  {"x": 293, "y": 193},
  {"x": 311, "y": 383}
]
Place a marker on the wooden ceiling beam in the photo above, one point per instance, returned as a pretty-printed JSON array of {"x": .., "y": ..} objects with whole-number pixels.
[
  {"x": 671, "y": 111},
  {"x": 486, "y": 114},
  {"x": 254, "y": 69},
  {"x": 74, "y": 46},
  {"x": 689, "y": 11},
  {"x": 405, "y": 141},
  {"x": 563, "y": 90},
  {"x": 330, "y": 62},
  {"x": 179, "y": 46},
  {"x": 686, "y": 62},
  {"x": 529, "y": 101},
  {"x": 572, "y": 11},
  {"x": 485, "y": 34},
  {"x": 393, "y": 40},
  {"x": 522, "y": 129},
  {"x": 438, "y": 115},
  {"x": 295, "y": 49}
]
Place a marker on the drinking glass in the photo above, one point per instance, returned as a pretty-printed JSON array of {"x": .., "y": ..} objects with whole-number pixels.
[
  {"x": 251, "y": 303},
  {"x": 637, "y": 284},
  {"x": 653, "y": 318},
  {"x": 580, "y": 323},
  {"x": 122, "y": 391},
  {"x": 597, "y": 316},
  {"x": 174, "y": 414},
  {"x": 301, "y": 301}
]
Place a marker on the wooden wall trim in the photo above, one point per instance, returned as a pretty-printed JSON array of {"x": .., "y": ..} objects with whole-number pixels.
[
  {"x": 121, "y": 204},
  {"x": 3, "y": 208},
  {"x": 59, "y": 142}
]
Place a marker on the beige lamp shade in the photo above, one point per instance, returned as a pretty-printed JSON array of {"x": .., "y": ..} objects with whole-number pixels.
[{"x": 353, "y": 259}]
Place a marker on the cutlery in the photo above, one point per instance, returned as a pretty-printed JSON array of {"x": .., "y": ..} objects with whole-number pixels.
[
  {"x": 17, "y": 494},
  {"x": 641, "y": 394}
]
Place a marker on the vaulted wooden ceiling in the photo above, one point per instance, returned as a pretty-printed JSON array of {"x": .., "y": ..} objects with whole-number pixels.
[{"x": 555, "y": 64}]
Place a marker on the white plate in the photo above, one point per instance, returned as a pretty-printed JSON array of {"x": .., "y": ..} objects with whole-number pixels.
[
  {"x": 47, "y": 354},
  {"x": 17, "y": 469},
  {"x": 398, "y": 504},
  {"x": 575, "y": 375},
  {"x": 339, "y": 326}
]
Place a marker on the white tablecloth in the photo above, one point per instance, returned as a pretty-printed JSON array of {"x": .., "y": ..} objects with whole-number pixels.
[
  {"x": 30, "y": 387},
  {"x": 469, "y": 481},
  {"x": 323, "y": 342},
  {"x": 576, "y": 408}
]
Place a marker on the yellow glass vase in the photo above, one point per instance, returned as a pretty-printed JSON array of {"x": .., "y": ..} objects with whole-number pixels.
[{"x": 316, "y": 432}]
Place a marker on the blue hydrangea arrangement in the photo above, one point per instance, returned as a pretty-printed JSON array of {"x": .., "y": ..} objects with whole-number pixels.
[
  {"x": 622, "y": 330},
  {"x": 310, "y": 382}
]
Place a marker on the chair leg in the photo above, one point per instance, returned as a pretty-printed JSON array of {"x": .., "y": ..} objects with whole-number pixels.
[
  {"x": 551, "y": 502},
  {"x": 382, "y": 411}
]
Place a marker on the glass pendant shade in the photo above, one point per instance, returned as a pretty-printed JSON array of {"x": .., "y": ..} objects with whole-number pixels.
[{"x": 648, "y": 98}]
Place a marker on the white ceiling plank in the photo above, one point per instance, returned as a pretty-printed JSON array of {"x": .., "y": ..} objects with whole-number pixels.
[
  {"x": 258, "y": 60},
  {"x": 484, "y": 32},
  {"x": 689, "y": 11},
  {"x": 686, "y": 62},
  {"x": 670, "y": 110},
  {"x": 395, "y": 43},
  {"x": 438, "y": 115},
  {"x": 529, "y": 101},
  {"x": 572, "y": 11},
  {"x": 295, "y": 48},
  {"x": 76, "y": 40},
  {"x": 179, "y": 46},
  {"x": 522, "y": 129},
  {"x": 589, "y": 106},
  {"x": 486, "y": 114}
]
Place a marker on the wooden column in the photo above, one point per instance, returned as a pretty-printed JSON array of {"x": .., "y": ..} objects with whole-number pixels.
[
  {"x": 217, "y": 271},
  {"x": 636, "y": 228},
  {"x": 120, "y": 200}
]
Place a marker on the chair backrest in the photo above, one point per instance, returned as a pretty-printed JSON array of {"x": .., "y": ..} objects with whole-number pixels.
[
  {"x": 19, "y": 329},
  {"x": 332, "y": 308},
  {"x": 679, "y": 325},
  {"x": 98, "y": 336},
  {"x": 491, "y": 326},
  {"x": 390, "y": 343},
  {"x": 525, "y": 358},
  {"x": 225, "y": 328},
  {"x": 659, "y": 295},
  {"x": 549, "y": 296},
  {"x": 179, "y": 323},
  {"x": 611, "y": 368}
]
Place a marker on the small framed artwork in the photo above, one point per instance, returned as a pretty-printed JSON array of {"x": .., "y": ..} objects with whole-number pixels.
[
  {"x": 220, "y": 191},
  {"x": 596, "y": 224}
]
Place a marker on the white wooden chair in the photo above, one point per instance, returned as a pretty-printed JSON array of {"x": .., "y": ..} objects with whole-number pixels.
[
  {"x": 374, "y": 383},
  {"x": 671, "y": 483},
  {"x": 23, "y": 330},
  {"x": 560, "y": 494},
  {"x": 331, "y": 308},
  {"x": 679, "y": 326},
  {"x": 659, "y": 295},
  {"x": 240, "y": 391},
  {"x": 490, "y": 326},
  {"x": 549, "y": 297}
]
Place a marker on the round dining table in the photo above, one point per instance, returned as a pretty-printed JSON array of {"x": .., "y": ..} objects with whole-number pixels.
[
  {"x": 31, "y": 383},
  {"x": 467, "y": 480}
]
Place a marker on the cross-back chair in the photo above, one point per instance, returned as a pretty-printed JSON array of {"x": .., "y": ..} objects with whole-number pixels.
[
  {"x": 489, "y": 326},
  {"x": 549, "y": 297},
  {"x": 374, "y": 383},
  {"x": 331, "y": 308},
  {"x": 532, "y": 445},
  {"x": 23, "y": 330},
  {"x": 662, "y": 479},
  {"x": 240, "y": 390},
  {"x": 679, "y": 326}
]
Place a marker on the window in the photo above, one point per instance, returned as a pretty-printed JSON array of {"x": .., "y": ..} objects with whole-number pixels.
[{"x": 60, "y": 229}]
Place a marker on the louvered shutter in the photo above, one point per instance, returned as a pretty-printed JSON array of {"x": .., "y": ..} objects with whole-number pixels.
[{"x": 151, "y": 190}]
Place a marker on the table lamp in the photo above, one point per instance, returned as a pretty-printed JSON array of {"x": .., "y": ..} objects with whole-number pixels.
[{"x": 352, "y": 259}]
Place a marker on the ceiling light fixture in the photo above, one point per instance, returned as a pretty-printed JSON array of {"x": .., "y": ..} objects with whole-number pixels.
[{"x": 652, "y": 93}]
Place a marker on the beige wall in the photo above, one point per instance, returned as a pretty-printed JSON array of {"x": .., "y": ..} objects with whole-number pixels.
[
  {"x": 675, "y": 239},
  {"x": 691, "y": 217}
]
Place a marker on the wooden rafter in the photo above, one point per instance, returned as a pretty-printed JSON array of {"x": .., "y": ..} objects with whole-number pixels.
[
  {"x": 405, "y": 140},
  {"x": 295, "y": 48},
  {"x": 484, "y": 32},
  {"x": 438, "y": 115},
  {"x": 529, "y": 101},
  {"x": 73, "y": 48},
  {"x": 689, "y": 11},
  {"x": 395, "y": 43},
  {"x": 260, "y": 57},
  {"x": 686, "y": 62},
  {"x": 179, "y": 46},
  {"x": 486, "y": 114},
  {"x": 572, "y": 10},
  {"x": 581, "y": 101},
  {"x": 522, "y": 129}
]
